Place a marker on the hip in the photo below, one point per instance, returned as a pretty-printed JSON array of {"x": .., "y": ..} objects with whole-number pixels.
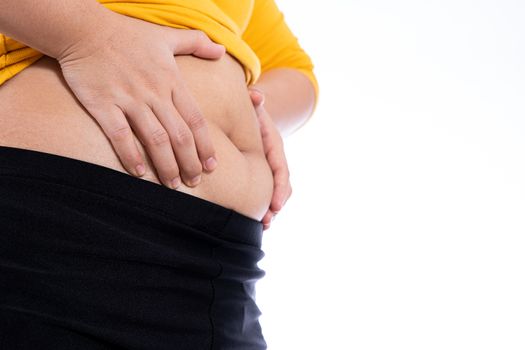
[{"x": 97, "y": 259}]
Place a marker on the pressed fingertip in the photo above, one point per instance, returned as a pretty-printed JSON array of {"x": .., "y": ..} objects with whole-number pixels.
[
  {"x": 221, "y": 49},
  {"x": 195, "y": 181},
  {"x": 140, "y": 170},
  {"x": 276, "y": 206},
  {"x": 210, "y": 163},
  {"x": 176, "y": 182},
  {"x": 257, "y": 98}
]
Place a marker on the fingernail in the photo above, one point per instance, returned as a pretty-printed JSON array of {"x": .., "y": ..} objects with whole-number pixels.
[
  {"x": 195, "y": 180},
  {"x": 141, "y": 170},
  {"x": 211, "y": 163},
  {"x": 175, "y": 182}
]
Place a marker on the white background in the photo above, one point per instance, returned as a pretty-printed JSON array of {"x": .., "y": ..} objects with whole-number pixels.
[{"x": 406, "y": 227}]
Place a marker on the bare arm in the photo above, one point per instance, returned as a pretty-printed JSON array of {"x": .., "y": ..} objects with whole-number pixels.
[
  {"x": 50, "y": 26},
  {"x": 289, "y": 98}
]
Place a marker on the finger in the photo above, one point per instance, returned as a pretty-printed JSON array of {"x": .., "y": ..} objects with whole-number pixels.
[
  {"x": 156, "y": 140},
  {"x": 190, "y": 112},
  {"x": 184, "y": 146},
  {"x": 282, "y": 189},
  {"x": 182, "y": 143},
  {"x": 267, "y": 219},
  {"x": 266, "y": 226},
  {"x": 256, "y": 96},
  {"x": 275, "y": 155},
  {"x": 195, "y": 42},
  {"x": 265, "y": 129},
  {"x": 117, "y": 128}
]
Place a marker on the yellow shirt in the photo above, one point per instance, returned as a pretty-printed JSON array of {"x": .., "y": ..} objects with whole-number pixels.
[{"x": 253, "y": 31}]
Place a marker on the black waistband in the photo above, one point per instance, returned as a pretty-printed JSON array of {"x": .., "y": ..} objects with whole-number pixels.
[{"x": 182, "y": 207}]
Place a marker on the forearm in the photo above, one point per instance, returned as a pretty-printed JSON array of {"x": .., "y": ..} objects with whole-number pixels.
[
  {"x": 289, "y": 98},
  {"x": 51, "y": 26}
]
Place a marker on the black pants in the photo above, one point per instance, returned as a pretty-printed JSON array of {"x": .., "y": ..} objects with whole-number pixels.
[{"x": 93, "y": 258}]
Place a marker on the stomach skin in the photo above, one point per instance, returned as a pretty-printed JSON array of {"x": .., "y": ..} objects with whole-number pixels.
[{"x": 40, "y": 112}]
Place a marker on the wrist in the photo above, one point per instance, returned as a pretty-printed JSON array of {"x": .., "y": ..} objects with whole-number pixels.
[{"x": 99, "y": 25}]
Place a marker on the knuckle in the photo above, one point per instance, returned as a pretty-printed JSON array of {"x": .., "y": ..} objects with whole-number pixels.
[
  {"x": 196, "y": 121},
  {"x": 120, "y": 133},
  {"x": 282, "y": 182},
  {"x": 183, "y": 137},
  {"x": 283, "y": 175},
  {"x": 149, "y": 87},
  {"x": 155, "y": 104},
  {"x": 287, "y": 173},
  {"x": 286, "y": 179},
  {"x": 201, "y": 36},
  {"x": 158, "y": 137},
  {"x": 166, "y": 72},
  {"x": 151, "y": 90}
]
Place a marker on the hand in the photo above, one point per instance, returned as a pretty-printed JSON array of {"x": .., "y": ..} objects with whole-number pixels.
[
  {"x": 274, "y": 150},
  {"x": 128, "y": 70}
]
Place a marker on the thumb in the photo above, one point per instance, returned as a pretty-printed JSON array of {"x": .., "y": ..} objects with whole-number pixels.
[{"x": 195, "y": 42}]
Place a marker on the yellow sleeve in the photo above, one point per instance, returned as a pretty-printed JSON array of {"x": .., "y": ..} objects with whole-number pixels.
[{"x": 274, "y": 43}]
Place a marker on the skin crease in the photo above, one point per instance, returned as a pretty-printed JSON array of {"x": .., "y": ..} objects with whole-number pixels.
[
  {"x": 289, "y": 98},
  {"x": 300, "y": 95},
  {"x": 37, "y": 100}
]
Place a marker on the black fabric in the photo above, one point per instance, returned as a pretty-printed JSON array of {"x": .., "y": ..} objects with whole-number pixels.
[{"x": 93, "y": 258}]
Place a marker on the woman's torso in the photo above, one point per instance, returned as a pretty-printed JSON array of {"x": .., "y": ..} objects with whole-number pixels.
[{"x": 40, "y": 112}]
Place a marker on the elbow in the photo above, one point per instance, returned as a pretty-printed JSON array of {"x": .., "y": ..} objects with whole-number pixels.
[
  {"x": 313, "y": 98},
  {"x": 311, "y": 95}
]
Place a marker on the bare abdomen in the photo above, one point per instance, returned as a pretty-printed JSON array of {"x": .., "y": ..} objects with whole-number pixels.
[{"x": 39, "y": 112}]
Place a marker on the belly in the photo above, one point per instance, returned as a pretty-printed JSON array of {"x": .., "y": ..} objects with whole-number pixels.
[{"x": 39, "y": 112}]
